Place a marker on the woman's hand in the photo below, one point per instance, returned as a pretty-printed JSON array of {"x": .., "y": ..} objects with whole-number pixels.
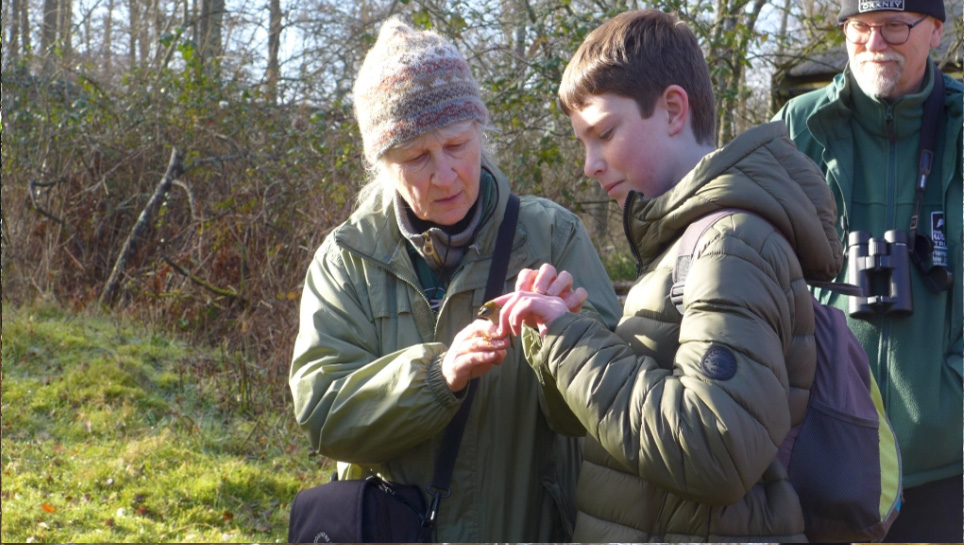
[
  {"x": 547, "y": 281},
  {"x": 474, "y": 351}
]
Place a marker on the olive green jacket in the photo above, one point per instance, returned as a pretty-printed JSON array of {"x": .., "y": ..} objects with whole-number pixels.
[
  {"x": 367, "y": 382},
  {"x": 685, "y": 413}
]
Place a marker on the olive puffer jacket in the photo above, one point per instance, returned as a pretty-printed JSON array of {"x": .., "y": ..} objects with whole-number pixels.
[
  {"x": 685, "y": 413},
  {"x": 368, "y": 388}
]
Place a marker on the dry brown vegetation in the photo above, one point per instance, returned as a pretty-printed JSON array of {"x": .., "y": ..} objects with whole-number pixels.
[{"x": 222, "y": 257}]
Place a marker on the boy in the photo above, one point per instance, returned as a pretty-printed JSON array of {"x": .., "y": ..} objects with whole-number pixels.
[{"x": 684, "y": 410}]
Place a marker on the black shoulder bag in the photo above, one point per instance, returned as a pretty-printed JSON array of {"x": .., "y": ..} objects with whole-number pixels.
[{"x": 373, "y": 510}]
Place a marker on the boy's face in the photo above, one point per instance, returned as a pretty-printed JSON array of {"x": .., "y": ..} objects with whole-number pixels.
[{"x": 624, "y": 151}]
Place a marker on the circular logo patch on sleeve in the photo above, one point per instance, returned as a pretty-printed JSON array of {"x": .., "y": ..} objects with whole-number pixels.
[{"x": 718, "y": 363}]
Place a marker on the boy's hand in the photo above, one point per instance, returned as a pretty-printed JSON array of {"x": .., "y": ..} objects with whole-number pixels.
[
  {"x": 521, "y": 308},
  {"x": 547, "y": 281}
]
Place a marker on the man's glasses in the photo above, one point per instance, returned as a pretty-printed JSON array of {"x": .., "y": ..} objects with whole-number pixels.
[{"x": 893, "y": 32}]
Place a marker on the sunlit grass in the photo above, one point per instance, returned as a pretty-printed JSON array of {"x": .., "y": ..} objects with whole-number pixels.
[{"x": 110, "y": 434}]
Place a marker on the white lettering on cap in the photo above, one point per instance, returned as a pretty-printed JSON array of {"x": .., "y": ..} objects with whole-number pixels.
[{"x": 875, "y": 5}]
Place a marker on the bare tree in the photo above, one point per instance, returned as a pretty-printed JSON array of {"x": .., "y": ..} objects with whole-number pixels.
[
  {"x": 65, "y": 27},
  {"x": 108, "y": 54},
  {"x": 11, "y": 38},
  {"x": 273, "y": 71},
  {"x": 144, "y": 34},
  {"x": 210, "y": 25},
  {"x": 731, "y": 36},
  {"x": 134, "y": 17},
  {"x": 24, "y": 26},
  {"x": 48, "y": 35}
]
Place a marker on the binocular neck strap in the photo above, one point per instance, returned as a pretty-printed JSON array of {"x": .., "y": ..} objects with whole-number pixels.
[{"x": 928, "y": 138}]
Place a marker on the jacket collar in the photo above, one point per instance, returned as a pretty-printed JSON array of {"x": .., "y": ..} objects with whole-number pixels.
[
  {"x": 376, "y": 237},
  {"x": 751, "y": 173},
  {"x": 830, "y": 126},
  {"x": 885, "y": 119}
]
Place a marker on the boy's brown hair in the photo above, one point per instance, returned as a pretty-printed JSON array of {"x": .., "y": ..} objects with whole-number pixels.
[{"x": 638, "y": 54}]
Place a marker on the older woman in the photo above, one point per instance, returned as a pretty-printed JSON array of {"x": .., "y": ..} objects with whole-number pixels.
[{"x": 388, "y": 338}]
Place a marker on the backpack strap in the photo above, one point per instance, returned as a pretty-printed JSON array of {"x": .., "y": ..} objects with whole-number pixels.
[
  {"x": 842, "y": 288},
  {"x": 687, "y": 249}
]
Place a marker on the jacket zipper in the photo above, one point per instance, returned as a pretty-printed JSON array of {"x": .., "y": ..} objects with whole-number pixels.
[
  {"x": 885, "y": 325},
  {"x": 632, "y": 245},
  {"x": 891, "y": 169}
]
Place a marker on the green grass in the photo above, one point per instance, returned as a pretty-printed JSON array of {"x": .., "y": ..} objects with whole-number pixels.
[{"x": 114, "y": 433}]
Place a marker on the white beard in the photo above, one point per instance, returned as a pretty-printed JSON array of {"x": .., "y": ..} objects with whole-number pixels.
[{"x": 875, "y": 80}]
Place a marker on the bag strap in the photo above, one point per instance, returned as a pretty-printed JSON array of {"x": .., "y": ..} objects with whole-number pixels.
[
  {"x": 452, "y": 439},
  {"x": 933, "y": 107},
  {"x": 936, "y": 277},
  {"x": 687, "y": 249},
  {"x": 503, "y": 249}
]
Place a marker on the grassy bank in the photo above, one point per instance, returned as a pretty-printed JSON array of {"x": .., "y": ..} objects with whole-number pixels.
[{"x": 114, "y": 433}]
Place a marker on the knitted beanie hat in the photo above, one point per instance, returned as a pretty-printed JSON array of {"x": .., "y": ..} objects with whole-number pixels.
[
  {"x": 412, "y": 82},
  {"x": 849, "y": 8}
]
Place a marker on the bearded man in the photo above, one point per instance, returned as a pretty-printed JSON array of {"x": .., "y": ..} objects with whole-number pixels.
[{"x": 900, "y": 203}]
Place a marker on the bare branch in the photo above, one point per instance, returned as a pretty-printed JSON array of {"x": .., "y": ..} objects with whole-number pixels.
[
  {"x": 190, "y": 199},
  {"x": 213, "y": 289},
  {"x": 174, "y": 168},
  {"x": 33, "y": 185}
]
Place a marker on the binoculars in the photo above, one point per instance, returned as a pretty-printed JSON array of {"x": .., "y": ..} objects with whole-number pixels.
[{"x": 881, "y": 268}]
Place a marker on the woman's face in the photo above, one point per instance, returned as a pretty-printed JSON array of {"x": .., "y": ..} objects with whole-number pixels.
[{"x": 438, "y": 172}]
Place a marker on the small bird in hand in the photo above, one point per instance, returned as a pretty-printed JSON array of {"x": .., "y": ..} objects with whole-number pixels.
[{"x": 490, "y": 311}]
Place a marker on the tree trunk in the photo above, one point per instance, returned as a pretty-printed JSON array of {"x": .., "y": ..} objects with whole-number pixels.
[
  {"x": 203, "y": 17},
  {"x": 216, "y": 27},
  {"x": 65, "y": 29},
  {"x": 147, "y": 33},
  {"x": 48, "y": 36},
  {"x": 785, "y": 18},
  {"x": 161, "y": 26},
  {"x": 24, "y": 26},
  {"x": 134, "y": 10},
  {"x": 12, "y": 43},
  {"x": 193, "y": 14},
  {"x": 212, "y": 16},
  {"x": 108, "y": 36},
  {"x": 273, "y": 73}
]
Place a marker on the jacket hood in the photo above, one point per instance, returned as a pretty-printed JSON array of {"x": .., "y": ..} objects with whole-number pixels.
[{"x": 760, "y": 171}]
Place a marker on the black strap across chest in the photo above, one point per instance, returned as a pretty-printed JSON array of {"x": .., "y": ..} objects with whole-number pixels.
[{"x": 452, "y": 438}]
